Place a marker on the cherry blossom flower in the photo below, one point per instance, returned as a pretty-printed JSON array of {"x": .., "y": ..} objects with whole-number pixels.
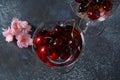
[
  {"x": 7, "y": 33},
  {"x": 15, "y": 26},
  {"x": 20, "y": 30},
  {"x": 23, "y": 40},
  {"x": 24, "y": 25}
]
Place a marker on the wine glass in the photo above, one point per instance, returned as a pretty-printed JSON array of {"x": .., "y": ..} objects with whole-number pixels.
[
  {"x": 58, "y": 44},
  {"x": 93, "y": 13}
]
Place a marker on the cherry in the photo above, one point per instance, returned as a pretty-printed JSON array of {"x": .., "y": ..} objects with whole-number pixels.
[
  {"x": 50, "y": 64},
  {"x": 101, "y": 8},
  {"x": 65, "y": 37},
  {"x": 93, "y": 14},
  {"x": 57, "y": 28},
  {"x": 107, "y": 5},
  {"x": 51, "y": 34},
  {"x": 57, "y": 43},
  {"x": 65, "y": 52},
  {"x": 43, "y": 50},
  {"x": 72, "y": 42},
  {"x": 68, "y": 29},
  {"x": 64, "y": 55},
  {"x": 54, "y": 55},
  {"x": 39, "y": 40},
  {"x": 43, "y": 33},
  {"x": 42, "y": 57},
  {"x": 82, "y": 7}
]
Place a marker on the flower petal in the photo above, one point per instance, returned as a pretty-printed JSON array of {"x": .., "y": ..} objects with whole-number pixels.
[
  {"x": 9, "y": 38},
  {"x": 24, "y": 40},
  {"x": 24, "y": 25},
  {"x": 15, "y": 26}
]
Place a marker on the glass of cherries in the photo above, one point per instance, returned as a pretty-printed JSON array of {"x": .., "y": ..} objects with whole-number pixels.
[
  {"x": 58, "y": 44},
  {"x": 92, "y": 12}
]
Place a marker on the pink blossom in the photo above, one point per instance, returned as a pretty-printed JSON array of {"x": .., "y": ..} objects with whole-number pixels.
[
  {"x": 8, "y": 35},
  {"x": 23, "y": 40},
  {"x": 19, "y": 29},
  {"x": 15, "y": 26},
  {"x": 24, "y": 25}
]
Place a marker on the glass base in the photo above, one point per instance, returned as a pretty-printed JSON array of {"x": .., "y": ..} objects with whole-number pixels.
[
  {"x": 63, "y": 69},
  {"x": 91, "y": 29}
]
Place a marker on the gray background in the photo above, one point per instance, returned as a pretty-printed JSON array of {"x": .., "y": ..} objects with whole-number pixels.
[{"x": 101, "y": 59}]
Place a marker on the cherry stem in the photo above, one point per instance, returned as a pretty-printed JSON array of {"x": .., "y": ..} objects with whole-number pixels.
[
  {"x": 88, "y": 3},
  {"x": 74, "y": 24},
  {"x": 49, "y": 37}
]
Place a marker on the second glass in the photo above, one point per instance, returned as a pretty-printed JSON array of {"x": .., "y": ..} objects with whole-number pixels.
[{"x": 93, "y": 13}]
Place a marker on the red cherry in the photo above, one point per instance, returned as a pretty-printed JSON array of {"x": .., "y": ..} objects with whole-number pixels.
[
  {"x": 69, "y": 29},
  {"x": 52, "y": 35},
  {"x": 64, "y": 55},
  {"x": 72, "y": 42},
  {"x": 58, "y": 31},
  {"x": 39, "y": 40},
  {"x": 65, "y": 37},
  {"x": 107, "y": 5},
  {"x": 54, "y": 55},
  {"x": 41, "y": 57},
  {"x": 50, "y": 64},
  {"x": 57, "y": 43},
  {"x": 43, "y": 50},
  {"x": 83, "y": 7},
  {"x": 42, "y": 33},
  {"x": 57, "y": 28},
  {"x": 93, "y": 14}
]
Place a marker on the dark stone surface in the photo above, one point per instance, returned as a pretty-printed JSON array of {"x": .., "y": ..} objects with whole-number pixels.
[{"x": 101, "y": 59}]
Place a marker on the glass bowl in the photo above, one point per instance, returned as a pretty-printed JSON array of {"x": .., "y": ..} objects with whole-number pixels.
[
  {"x": 58, "y": 44},
  {"x": 92, "y": 14},
  {"x": 92, "y": 10}
]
